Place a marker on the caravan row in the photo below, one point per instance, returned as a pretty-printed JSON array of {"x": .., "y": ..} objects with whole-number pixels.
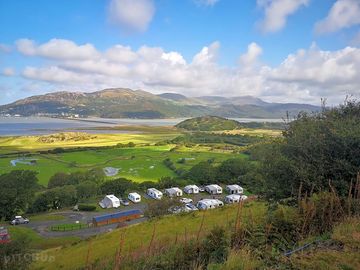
[{"x": 111, "y": 201}]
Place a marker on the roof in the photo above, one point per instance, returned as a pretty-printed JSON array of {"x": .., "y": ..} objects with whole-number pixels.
[
  {"x": 210, "y": 201},
  {"x": 214, "y": 186},
  {"x": 233, "y": 187},
  {"x": 191, "y": 186},
  {"x": 112, "y": 197},
  {"x": 117, "y": 215},
  {"x": 234, "y": 196},
  {"x": 173, "y": 190}
]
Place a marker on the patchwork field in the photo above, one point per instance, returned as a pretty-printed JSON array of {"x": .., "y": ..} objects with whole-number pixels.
[{"x": 140, "y": 164}]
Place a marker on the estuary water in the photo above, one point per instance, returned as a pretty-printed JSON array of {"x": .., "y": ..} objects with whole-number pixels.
[{"x": 20, "y": 126}]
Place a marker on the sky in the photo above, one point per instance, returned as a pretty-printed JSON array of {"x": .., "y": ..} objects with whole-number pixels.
[{"x": 278, "y": 50}]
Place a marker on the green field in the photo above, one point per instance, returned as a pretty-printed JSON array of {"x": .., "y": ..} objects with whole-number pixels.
[{"x": 143, "y": 163}]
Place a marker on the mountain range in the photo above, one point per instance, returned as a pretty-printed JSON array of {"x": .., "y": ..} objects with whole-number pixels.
[{"x": 127, "y": 103}]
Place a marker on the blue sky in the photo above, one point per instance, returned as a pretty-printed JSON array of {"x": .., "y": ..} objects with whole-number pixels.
[{"x": 279, "y": 50}]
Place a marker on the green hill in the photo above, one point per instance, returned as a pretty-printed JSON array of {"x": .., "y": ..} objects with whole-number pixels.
[{"x": 209, "y": 123}]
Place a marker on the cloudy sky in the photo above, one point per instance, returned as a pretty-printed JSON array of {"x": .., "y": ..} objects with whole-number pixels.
[{"x": 278, "y": 50}]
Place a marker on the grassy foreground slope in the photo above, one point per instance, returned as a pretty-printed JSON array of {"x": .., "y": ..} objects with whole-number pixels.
[{"x": 138, "y": 237}]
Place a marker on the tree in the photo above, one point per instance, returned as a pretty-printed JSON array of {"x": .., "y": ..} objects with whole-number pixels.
[
  {"x": 316, "y": 149},
  {"x": 202, "y": 173},
  {"x": 118, "y": 186},
  {"x": 17, "y": 191},
  {"x": 233, "y": 169},
  {"x": 86, "y": 189},
  {"x": 58, "y": 180}
]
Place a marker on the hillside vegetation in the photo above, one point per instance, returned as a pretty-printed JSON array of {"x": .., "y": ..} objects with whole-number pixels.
[
  {"x": 127, "y": 103},
  {"x": 209, "y": 123}
]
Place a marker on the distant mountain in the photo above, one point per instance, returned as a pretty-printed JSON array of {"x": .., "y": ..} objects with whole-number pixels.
[{"x": 127, "y": 103}]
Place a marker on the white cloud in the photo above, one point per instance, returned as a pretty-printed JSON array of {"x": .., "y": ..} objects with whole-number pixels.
[
  {"x": 304, "y": 76},
  {"x": 356, "y": 39},
  {"x": 8, "y": 72},
  {"x": 277, "y": 12},
  {"x": 206, "y": 2},
  {"x": 343, "y": 14},
  {"x": 251, "y": 56},
  {"x": 131, "y": 15},
  {"x": 57, "y": 49},
  {"x": 207, "y": 55}
]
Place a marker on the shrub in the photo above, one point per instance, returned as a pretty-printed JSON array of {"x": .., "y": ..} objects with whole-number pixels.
[{"x": 86, "y": 207}]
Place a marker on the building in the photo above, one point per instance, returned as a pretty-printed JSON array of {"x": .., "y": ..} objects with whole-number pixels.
[
  {"x": 235, "y": 198},
  {"x": 154, "y": 193},
  {"x": 234, "y": 189},
  {"x": 134, "y": 197},
  {"x": 174, "y": 192},
  {"x": 191, "y": 189},
  {"x": 206, "y": 204},
  {"x": 213, "y": 189},
  {"x": 110, "y": 201},
  {"x": 116, "y": 217}
]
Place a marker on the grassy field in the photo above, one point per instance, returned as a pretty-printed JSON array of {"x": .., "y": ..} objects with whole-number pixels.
[
  {"x": 38, "y": 242},
  {"x": 32, "y": 143},
  {"x": 137, "y": 163},
  {"x": 139, "y": 236}
]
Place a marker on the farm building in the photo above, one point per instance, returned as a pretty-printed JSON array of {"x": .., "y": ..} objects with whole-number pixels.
[
  {"x": 234, "y": 189},
  {"x": 110, "y": 201},
  {"x": 154, "y": 193},
  {"x": 4, "y": 236},
  {"x": 174, "y": 192},
  {"x": 134, "y": 197},
  {"x": 209, "y": 204},
  {"x": 116, "y": 217},
  {"x": 213, "y": 189},
  {"x": 235, "y": 198},
  {"x": 191, "y": 189}
]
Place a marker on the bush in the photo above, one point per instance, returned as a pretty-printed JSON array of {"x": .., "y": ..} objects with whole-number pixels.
[{"x": 86, "y": 207}]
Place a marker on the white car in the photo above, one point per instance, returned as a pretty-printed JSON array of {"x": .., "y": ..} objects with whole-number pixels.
[
  {"x": 19, "y": 220},
  {"x": 186, "y": 200}
]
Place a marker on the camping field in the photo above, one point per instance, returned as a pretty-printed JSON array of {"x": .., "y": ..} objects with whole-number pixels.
[{"x": 140, "y": 163}]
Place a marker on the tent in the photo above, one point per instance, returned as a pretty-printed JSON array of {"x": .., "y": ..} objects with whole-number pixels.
[
  {"x": 234, "y": 189},
  {"x": 110, "y": 201},
  {"x": 213, "y": 189},
  {"x": 209, "y": 204},
  {"x": 154, "y": 193}
]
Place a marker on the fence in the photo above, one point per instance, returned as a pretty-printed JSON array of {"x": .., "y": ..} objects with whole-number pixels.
[{"x": 68, "y": 227}]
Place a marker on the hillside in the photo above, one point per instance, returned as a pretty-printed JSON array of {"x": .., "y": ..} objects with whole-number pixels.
[
  {"x": 209, "y": 123},
  {"x": 127, "y": 103}
]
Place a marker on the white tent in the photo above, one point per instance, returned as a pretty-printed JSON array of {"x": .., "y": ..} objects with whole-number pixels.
[
  {"x": 234, "y": 189},
  {"x": 174, "y": 192},
  {"x": 213, "y": 189},
  {"x": 209, "y": 204},
  {"x": 134, "y": 197},
  {"x": 110, "y": 201},
  {"x": 191, "y": 189},
  {"x": 154, "y": 193}
]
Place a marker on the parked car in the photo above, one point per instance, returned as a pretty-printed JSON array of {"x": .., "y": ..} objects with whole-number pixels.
[
  {"x": 190, "y": 207},
  {"x": 186, "y": 200},
  {"x": 124, "y": 202},
  {"x": 19, "y": 220}
]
